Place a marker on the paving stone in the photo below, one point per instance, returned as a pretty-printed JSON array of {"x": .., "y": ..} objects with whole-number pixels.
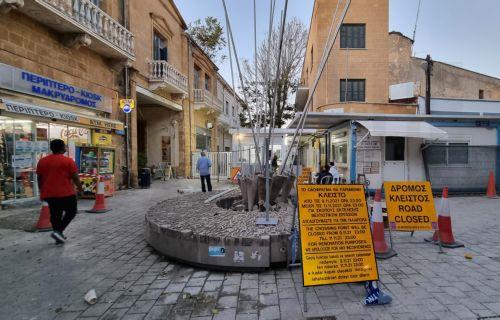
[
  {"x": 96, "y": 310},
  {"x": 268, "y": 299},
  {"x": 248, "y": 307},
  {"x": 249, "y": 294},
  {"x": 141, "y": 306},
  {"x": 136, "y": 290},
  {"x": 159, "y": 284},
  {"x": 67, "y": 315},
  {"x": 196, "y": 282},
  {"x": 114, "y": 314},
  {"x": 168, "y": 298},
  {"x": 227, "y": 302},
  {"x": 270, "y": 313},
  {"x": 133, "y": 316},
  {"x": 125, "y": 301},
  {"x": 212, "y": 285},
  {"x": 225, "y": 314},
  {"x": 158, "y": 312},
  {"x": 151, "y": 294},
  {"x": 175, "y": 287}
]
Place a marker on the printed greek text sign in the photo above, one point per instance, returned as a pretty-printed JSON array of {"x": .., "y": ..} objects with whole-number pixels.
[
  {"x": 336, "y": 240},
  {"x": 410, "y": 205}
]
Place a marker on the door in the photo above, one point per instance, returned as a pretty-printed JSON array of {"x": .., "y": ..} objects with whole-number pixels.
[{"x": 395, "y": 159}]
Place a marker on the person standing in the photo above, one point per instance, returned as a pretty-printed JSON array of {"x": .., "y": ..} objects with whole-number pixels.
[
  {"x": 203, "y": 165},
  {"x": 274, "y": 163},
  {"x": 57, "y": 178}
]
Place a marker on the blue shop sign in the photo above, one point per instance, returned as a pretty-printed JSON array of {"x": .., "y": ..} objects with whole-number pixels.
[{"x": 19, "y": 80}]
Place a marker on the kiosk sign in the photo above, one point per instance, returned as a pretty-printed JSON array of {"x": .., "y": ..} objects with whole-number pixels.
[
  {"x": 336, "y": 240},
  {"x": 410, "y": 205}
]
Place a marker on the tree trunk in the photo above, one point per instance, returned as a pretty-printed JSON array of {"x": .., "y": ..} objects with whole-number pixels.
[{"x": 276, "y": 185}]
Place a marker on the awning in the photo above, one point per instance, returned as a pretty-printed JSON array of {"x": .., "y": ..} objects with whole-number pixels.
[
  {"x": 33, "y": 110},
  {"x": 410, "y": 129}
]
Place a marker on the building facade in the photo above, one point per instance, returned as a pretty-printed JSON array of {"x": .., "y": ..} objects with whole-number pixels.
[
  {"x": 61, "y": 77},
  {"x": 369, "y": 103},
  {"x": 65, "y": 66}
]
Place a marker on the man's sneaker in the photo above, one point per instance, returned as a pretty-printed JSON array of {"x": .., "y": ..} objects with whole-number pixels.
[{"x": 58, "y": 237}]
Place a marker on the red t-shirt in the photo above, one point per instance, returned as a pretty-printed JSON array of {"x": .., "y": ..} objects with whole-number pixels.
[{"x": 56, "y": 171}]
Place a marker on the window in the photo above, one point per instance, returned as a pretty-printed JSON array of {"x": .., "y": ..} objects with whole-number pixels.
[
  {"x": 227, "y": 107},
  {"x": 234, "y": 113},
  {"x": 452, "y": 153},
  {"x": 207, "y": 82},
  {"x": 160, "y": 51},
  {"x": 352, "y": 36},
  {"x": 395, "y": 149},
  {"x": 197, "y": 76},
  {"x": 481, "y": 94},
  {"x": 203, "y": 139},
  {"x": 339, "y": 151},
  {"x": 352, "y": 90}
]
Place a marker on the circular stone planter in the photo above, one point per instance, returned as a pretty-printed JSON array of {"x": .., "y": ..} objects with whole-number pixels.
[{"x": 209, "y": 235}]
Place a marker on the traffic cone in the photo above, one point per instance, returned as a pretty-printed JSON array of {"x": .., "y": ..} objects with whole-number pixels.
[
  {"x": 491, "y": 192},
  {"x": 444, "y": 224},
  {"x": 382, "y": 251},
  {"x": 100, "y": 199},
  {"x": 43, "y": 223}
]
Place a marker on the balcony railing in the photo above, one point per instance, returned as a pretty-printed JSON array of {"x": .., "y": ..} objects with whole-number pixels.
[
  {"x": 163, "y": 74},
  {"x": 76, "y": 17},
  {"x": 207, "y": 98}
]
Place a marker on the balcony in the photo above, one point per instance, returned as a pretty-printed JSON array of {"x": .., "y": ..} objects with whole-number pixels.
[
  {"x": 82, "y": 23},
  {"x": 204, "y": 99},
  {"x": 162, "y": 75},
  {"x": 301, "y": 96}
]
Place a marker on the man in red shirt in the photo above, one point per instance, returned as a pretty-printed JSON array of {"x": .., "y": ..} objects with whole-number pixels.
[{"x": 57, "y": 178}]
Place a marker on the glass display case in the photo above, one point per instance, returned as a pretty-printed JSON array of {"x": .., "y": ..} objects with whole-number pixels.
[
  {"x": 89, "y": 160},
  {"x": 94, "y": 162}
]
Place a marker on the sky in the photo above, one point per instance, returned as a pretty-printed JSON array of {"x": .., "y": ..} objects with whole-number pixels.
[{"x": 459, "y": 32}]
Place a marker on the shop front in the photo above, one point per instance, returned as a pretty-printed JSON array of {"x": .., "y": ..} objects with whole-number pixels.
[
  {"x": 459, "y": 152},
  {"x": 28, "y": 123}
]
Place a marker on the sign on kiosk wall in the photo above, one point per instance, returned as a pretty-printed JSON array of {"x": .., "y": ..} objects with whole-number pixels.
[
  {"x": 410, "y": 205},
  {"x": 336, "y": 240}
]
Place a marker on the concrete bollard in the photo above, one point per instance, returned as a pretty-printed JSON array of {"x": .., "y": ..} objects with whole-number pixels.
[
  {"x": 276, "y": 185},
  {"x": 287, "y": 187},
  {"x": 252, "y": 193},
  {"x": 261, "y": 189},
  {"x": 244, "y": 190}
]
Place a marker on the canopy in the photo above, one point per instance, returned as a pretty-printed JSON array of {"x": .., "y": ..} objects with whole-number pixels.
[{"x": 411, "y": 129}]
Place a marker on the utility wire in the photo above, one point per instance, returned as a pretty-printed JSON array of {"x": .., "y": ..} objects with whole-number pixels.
[{"x": 415, "y": 29}]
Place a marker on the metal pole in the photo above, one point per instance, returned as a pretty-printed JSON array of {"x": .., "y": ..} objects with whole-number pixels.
[{"x": 428, "y": 74}]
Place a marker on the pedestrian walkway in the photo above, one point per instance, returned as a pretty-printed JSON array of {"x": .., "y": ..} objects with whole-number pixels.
[{"x": 40, "y": 280}]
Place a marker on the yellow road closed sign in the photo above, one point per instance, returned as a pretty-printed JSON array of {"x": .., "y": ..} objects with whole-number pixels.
[
  {"x": 410, "y": 205},
  {"x": 336, "y": 240}
]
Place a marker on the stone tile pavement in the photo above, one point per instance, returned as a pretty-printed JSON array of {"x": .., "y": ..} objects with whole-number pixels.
[{"x": 39, "y": 280}]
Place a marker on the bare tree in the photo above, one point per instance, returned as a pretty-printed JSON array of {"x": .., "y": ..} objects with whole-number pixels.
[{"x": 261, "y": 92}]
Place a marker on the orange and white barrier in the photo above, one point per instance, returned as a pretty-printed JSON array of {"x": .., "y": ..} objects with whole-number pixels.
[
  {"x": 100, "y": 199},
  {"x": 382, "y": 250},
  {"x": 43, "y": 223},
  {"x": 444, "y": 222}
]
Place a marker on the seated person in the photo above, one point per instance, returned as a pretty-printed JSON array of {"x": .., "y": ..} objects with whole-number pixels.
[{"x": 324, "y": 177}]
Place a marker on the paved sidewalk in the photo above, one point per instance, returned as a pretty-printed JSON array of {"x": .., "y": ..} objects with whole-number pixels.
[{"x": 39, "y": 280}]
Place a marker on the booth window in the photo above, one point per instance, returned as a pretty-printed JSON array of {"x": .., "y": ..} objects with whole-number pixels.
[
  {"x": 452, "y": 153},
  {"x": 395, "y": 149},
  {"x": 339, "y": 152},
  {"x": 352, "y": 90},
  {"x": 352, "y": 36}
]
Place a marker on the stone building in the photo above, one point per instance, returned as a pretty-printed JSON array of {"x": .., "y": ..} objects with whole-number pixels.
[
  {"x": 65, "y": 65},
  {"x": 448, "y": 81},
  {"x": 356, "y": 75},
  {"x": 61, "y": 76},
  {"x": 369, "y": 107}
]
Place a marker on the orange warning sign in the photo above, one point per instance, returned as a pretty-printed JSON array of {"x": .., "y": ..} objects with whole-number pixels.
[
  {"x": 234, "y": 173},
  {"x": 305, "y": 176},
  {"x": 336, "y": 241},
  {"x": 410, "y": 205}
]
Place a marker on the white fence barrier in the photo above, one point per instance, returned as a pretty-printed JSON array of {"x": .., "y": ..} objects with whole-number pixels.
[{"x": 221, "y": 164}]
